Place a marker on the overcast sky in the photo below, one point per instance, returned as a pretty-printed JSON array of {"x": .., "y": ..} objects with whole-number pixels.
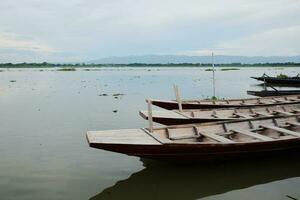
[{"x": 83, "y": 30}]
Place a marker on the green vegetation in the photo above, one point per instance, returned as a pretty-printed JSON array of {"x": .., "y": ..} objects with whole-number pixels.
[
  {"x": 214, "y": 98},
  {"x": 282, "y": 76},
  {"x": 92, "y": 65},
  {"x": 67, "y": 69},
  {"x": 209, "y": 70}
]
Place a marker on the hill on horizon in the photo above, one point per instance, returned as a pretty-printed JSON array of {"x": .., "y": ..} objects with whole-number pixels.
[{"x": 219, "y": 59}]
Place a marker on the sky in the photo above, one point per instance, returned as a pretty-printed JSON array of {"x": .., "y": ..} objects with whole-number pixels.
[{"x": 85, "y": 30}]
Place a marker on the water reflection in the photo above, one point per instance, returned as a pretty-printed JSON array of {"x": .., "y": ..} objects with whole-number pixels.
[{"x": 201, "y": 180}]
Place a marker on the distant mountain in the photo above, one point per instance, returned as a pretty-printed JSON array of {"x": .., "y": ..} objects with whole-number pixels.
[{"x": 221, "y": 59}]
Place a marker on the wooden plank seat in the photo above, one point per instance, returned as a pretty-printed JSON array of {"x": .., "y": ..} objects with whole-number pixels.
[
  {"x": 281, "y": 101},
  {"x": 282, "y": 112},
  {"x": 247, "y": 104},
  {"x": 215, "y": 137},
  {"x": 281, "y": 130},
  {"x": 296, "y": 110},
  {"x": 252, "y": 134},
  {"x": 218, "y": 138},
  {"x": 243, "y": 115},
  {"x": 264, "y": 114},
  {"x": 293, "y": 123}
]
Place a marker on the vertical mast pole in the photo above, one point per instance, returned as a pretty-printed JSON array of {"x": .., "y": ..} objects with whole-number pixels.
[
  {"x": 150, "y": 119},
  {"x": 214, "y": 83},
  {"x": 178, "y": 99}
]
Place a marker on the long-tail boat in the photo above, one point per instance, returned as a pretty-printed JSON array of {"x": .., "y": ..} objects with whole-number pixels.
[
  {"x": 202, "y": 142},
  {"x": 173, "y": 117},
  {"x": 205, "y": 104},
  {"x": 279, "y": 80},
  {"x": 267, "y": 93}
]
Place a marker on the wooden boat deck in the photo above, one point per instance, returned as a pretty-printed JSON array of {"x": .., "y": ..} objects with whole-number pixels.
[{"x": 125, "y": 136}]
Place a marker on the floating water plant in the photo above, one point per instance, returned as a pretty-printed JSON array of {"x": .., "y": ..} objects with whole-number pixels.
[
  {"x": 282, "y": 76},
  {"x": 229, "y": 69},
  {"x": 117, "y": 94},
  {"x": 67, "y": 69}
]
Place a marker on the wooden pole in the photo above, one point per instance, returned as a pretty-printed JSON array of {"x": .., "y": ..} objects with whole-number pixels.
[
  {"x": 214, "y": 82},
  {"x": 150, "y": 120},
  {"x": 178, "y": 97}
]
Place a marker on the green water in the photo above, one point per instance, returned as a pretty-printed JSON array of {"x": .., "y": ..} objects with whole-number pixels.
[{"x": 44, "y": 116}]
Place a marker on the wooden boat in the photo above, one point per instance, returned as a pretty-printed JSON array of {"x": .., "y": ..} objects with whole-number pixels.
[
  {"x": 267, "y": 93},
  {"x": 275, "y": 80},
  {"x": 173, "y": 117},
  {"x": 202, "y": 142},
  {"x": 205, "y": 104}
]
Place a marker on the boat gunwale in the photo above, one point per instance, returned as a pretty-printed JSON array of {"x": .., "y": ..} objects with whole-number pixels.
[{"x": 196, "y": 102}]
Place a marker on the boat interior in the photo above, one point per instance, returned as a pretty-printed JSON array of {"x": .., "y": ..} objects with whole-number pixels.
[
  {"x": 244, "y": 131},
  {"x": 250, "y": 101},
  {"x": 248, "y": 113}
]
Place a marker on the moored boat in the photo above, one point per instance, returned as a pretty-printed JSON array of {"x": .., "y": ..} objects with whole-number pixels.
[
  {"x": 267, "y": 93},
  {"x": 279, "y": 80},
  {"x": 202, "y": 142},
  {"x": 173, "y": 117},
  {"x": 206, "y": 104}
]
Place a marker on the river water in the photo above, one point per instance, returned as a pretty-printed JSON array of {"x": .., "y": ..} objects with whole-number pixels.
[{"x": 45, "y": 113}]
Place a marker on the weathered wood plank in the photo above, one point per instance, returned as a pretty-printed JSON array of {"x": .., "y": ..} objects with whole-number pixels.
[
  {"x": 283, "y": 112},
  {"x": 243, "y": 115},
  {"x": 174, "y": 135},
  {"x": 162, "y": 114},
  {"x": 124, "y": 136},
  {"x": 293, "y": 123},
  {"x": 253, "y": 134},
  {"x": 263, "y": 114},
  {"x": 217, "y": 138},
  {"x": 281, "y": 130}
]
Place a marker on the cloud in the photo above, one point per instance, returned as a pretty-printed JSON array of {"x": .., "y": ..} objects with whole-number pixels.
[
  {"x": 14, "y": 41},
  {"x": 275, "y": 42},
  {"x": 81, "y": 30}
]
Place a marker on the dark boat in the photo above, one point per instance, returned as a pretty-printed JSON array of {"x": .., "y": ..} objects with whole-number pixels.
[
  {"x": 204, "y": 142},
  {"x": 267, "y": 93},
  {"x": 173, "y": 117},
  {"x": 231, "y": 103},
  {"x": 279, "y": 80}
]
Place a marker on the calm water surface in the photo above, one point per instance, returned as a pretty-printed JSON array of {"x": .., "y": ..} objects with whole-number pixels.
[{"x": 44, "y": 115}]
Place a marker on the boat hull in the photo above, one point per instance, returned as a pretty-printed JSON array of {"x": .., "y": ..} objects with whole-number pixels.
[
  {"x": 172, "y": 105},
  {"x": 204, "y": 152},
  {"x": 274, "y": 80},
  {"x": 266, "y": 93}
]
